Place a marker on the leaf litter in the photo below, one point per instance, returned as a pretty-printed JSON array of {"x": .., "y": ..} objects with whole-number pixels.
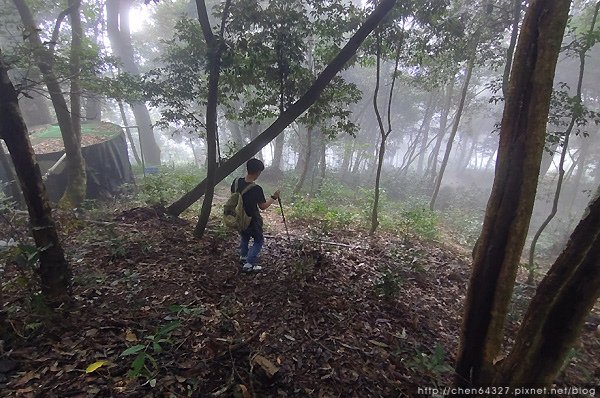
[{"x": 375, "y": 317}]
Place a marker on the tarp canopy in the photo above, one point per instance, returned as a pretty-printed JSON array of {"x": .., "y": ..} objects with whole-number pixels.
[{"x": 105, "y": 152}]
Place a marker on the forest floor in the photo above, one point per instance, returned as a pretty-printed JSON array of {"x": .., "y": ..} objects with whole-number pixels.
[{"x": 341, "y": 315}]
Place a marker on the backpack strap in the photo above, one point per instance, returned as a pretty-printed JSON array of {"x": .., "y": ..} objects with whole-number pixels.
[{"x": 248, "y": 187}]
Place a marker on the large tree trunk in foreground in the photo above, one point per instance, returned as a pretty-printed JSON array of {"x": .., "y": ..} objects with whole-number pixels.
[
  {"x": 117, "y": 26},
  {"x": 54, "y": 270},
  {"x": 498, "y": 251},
  {"x": 558, "y": 310},
  {"x": 76, "y": 186},
  {"x": 565, "y": 149},
  {"x": 294, "y": 111}
]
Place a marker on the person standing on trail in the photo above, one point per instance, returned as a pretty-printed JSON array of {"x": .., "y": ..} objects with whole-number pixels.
[{"x": 254, "y": 199}]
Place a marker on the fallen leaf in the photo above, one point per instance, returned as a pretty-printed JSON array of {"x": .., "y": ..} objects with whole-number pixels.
[
  {"x": 94, "y": 366},
  {"x": 130, "y": 336},
  {"x": 269, "y": 368},
  {"x": 379, "y": 344}
]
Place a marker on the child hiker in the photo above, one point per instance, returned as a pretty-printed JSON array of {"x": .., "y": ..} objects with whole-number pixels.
[{"x": 254, "y": 199}]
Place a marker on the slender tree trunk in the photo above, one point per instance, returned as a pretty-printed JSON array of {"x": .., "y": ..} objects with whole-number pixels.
[
  {"x": 290, "y": 114},
  {"x": 117, "y": 13},
  {"x": 236, "y": 134},
  {"x": 215, "y": 48},
  {"x": 383, "y": 133},
  {"x": 128, "y": 133},
  {"x": 54, "y": 270},
  {"x": 581, "y": 168},
  {"x": 323, "y": 161},
  {"x": 308, "y": 151},
  {"x": 547, "y": 158},
  {"x": 511, "y": 47},
  {"x": 424, "y": 130},
  {"x": 433, "y": 158},
  {"x": 565, "y": 149},
  {"x": 278, "y": 153},
  {"x": 498, "y": 251},
  {"x": 76, "y": 186},
  {"x": 459, "y": 111},
  {"x": 254, "y": 128},
  {"x": 558, "y": 310},
  {"x": 75, "y": 67},
  {"x": 35, "y": 110}
]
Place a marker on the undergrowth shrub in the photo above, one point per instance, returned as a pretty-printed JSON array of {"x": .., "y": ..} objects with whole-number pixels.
[{"x": 169, "y": 184}]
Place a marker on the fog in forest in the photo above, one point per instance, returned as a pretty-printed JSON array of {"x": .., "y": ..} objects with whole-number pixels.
[{"x": 422, "y": 112}]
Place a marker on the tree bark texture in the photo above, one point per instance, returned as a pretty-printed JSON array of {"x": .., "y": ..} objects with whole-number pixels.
[
  {"x": 117, "y": 25},
  {"x": 509, "y": 208},
  {"x": 290, "y": 114},
  {"x": 559, "y": 308},
  {"x": 565, "y": 148},
  {"x": 76, "y": 186},
  {"x": 54, "y": 272}
]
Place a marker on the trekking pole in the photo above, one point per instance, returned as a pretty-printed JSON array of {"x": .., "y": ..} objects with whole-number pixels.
[{"x": 283, "y": 216}]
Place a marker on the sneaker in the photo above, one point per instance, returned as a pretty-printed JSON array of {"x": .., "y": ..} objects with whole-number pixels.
[
  {"x": 247, "y": 267},
  {"x": 251, "y": 268}
]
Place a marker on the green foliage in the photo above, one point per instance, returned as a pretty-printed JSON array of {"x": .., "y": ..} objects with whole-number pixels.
[
  {"x": 390, "y": 283},
  {"x": 169, "y": 184},
  {"x": 434, "y": 364},
  {"x": 144, "y": 364}
]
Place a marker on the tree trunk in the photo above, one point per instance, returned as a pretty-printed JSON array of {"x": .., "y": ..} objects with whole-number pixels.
[
  {"x": 308, "y": 152},
  {"x": 35, "y": 110},
  {"x": 424, "y": 130},
  {"x": 128, "y": 133},
  {"x": 54, "y": 270},
  {"x": 117, "y": 25},
  {"x": 236, "y": 134},
  {"x": 278, "y": 153},
  {"x": 383, "y": 133},
  {"x": 459, "y": 111},
  {"x": 290, "y": 114},
  {"x": 511, "y": 47},
  {"x": 76, "y": 186},
  {"x": 93, "y": 107},
  {"x": 558, "y": 310},
  {"x": 75, "y": 67},
  {"x": 561, "y": 164},
  {"x": 215, "y": 47},
  {"x": 498, "y": 251},
  {"x": 433, "y": 157}
]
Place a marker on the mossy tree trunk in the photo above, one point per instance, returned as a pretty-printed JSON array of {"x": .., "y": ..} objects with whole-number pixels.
[
  {"x": 522, "y": 132},
  {"x": 54, "y": 270}
]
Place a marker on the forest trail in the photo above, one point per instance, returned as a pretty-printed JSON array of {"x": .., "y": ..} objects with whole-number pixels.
[{"x": 377, "y": 320}]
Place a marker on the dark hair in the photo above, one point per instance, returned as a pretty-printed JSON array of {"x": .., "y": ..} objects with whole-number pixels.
[{"x": 254, "y": 166}]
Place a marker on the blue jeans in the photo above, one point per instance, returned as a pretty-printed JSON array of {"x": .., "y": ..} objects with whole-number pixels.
[{"x": 255, "y": 232}]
